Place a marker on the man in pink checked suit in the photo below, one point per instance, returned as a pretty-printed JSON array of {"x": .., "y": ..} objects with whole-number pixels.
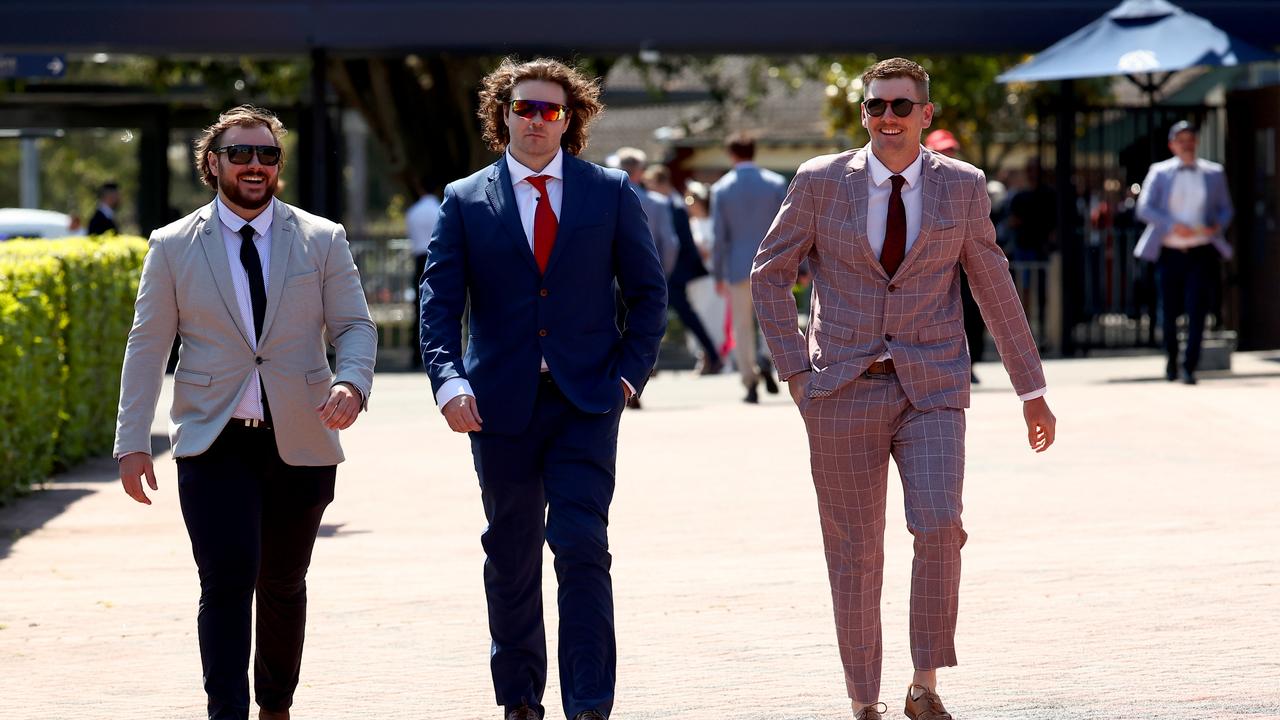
[{"x": 884, "y": 370}]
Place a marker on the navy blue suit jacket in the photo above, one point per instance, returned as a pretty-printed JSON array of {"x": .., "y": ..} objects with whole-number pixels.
[{"x": 479, "y": 253}]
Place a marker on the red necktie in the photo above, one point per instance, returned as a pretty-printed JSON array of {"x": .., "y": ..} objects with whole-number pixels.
[
  {"x": 544, "y": 222},
  {"x": 895, "y": 229}
]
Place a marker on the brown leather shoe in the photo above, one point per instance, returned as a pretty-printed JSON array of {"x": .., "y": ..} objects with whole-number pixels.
[
  {"x": 273, "y": 714},
  {"x": 872, "y": 712},
  {"x": 926, "y": 707}
]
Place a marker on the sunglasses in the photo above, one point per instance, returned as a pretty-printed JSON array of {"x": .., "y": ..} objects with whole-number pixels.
[
  {"x": 243, "y": 154},
  {"x": 528, "y": 109},
  {"x": 902, "y": 107}
]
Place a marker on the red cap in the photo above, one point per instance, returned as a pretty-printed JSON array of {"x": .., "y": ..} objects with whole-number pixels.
[{"x": 941, "y": 140}]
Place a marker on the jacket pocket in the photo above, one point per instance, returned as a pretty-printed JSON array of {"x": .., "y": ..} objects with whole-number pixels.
[
  {"x": 192, "y": 377},
  {"x": 302, "y": 279},
  {"x": 941, "y": 331},
  {"x": 318, "y": 376}
]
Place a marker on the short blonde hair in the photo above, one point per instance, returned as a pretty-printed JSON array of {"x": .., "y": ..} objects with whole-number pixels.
[{"x": 242, "y": 116}]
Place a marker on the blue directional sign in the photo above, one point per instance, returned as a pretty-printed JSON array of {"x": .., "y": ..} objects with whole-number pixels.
[{"x": 30, "y": 66}]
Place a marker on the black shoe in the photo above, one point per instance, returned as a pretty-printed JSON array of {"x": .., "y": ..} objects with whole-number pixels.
[
  {"x": 770, "y": 385},
  {"x": 714, "y": 367},
  {"x": 633, "y": 402},
  {"x": 1171, "y": 370},
  {"x": 590, "y": 715},
  {"x": 753, "y": 397},
  {"x": 973, "y": 377},
  {"x": 1188, "y": 377},
  {"x": 524, "y": 712}
]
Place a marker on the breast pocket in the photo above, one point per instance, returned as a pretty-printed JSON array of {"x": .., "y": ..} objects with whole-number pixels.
[{"x": 306, "y": 278}]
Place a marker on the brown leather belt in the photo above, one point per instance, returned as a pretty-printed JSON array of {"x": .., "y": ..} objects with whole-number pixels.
[{"x": 881, "y": 367}]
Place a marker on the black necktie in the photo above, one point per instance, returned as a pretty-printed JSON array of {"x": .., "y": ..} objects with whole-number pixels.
[
  {"x": 253, "y": 267},
  {"x": 895, "y": 229}
]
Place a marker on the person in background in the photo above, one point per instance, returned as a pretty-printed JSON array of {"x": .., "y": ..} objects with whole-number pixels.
[
  {"x": 688, "y": 266},
  {"x": 709, "y": 304},
  {"x": 103, "y": 220},
  {"x": 1186, "y": 206},
  {"x": 743, "y": 204},
  {"x": 420, "y": 223}
]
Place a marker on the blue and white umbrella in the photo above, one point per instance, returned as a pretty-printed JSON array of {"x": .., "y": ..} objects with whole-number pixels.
[{"x": 1138, "y": 37}]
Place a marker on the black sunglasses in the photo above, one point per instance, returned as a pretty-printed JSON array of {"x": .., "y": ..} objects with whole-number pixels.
[
  {"x": 243, "y": 154},
  {"x": 902, "y": 107},
  {"x": 528, "y": 109}
]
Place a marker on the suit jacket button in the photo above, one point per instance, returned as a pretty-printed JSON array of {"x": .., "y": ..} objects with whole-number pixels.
[
  {"x": 893, "y": 288},
  {"x": 257, "y": 360},
  {"x": 888, "y": 337},
  {"x": 542, "y": 333},
  {"x": 543, "y": 292}
]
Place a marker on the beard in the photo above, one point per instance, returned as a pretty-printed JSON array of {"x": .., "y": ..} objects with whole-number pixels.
[{"x": 228, "y": 183}]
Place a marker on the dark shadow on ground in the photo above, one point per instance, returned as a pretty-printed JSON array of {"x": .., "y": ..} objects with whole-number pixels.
[
  {"x": 328, "y": 531},
  {"x": 30, "y": 513},
  {"x": 1203, "y": 377}
]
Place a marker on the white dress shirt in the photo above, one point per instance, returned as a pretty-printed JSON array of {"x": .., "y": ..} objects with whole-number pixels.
[
  {"x": 250, "y": 405},
  {"x": 1187, "y": 197},
  {"x": 526, "y": 203}
]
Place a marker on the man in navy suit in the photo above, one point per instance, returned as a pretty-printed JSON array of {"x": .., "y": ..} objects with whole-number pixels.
[
  {"x": 1186, "y": 206},
  {"x": 536, "y": 243}
]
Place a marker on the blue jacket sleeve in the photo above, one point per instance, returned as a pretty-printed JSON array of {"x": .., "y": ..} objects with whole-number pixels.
[
  {"x": 644, "y": 290},
  {"x": 444, "y": 295}
]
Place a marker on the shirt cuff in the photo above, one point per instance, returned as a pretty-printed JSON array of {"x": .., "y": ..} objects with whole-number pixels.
[
  {"x": 1033, "y": 394},
  {"x": 630, "y": 387},
  {"x": 451, "y": 389}
]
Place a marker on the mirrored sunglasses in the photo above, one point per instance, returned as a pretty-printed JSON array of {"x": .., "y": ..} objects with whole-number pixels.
[
  {"x": 902, "y": 107},
  {"x": 550, "y": 112},
  {"x": 243, "y": 154}
]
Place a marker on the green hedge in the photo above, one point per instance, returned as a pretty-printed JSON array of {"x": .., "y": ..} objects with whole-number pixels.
[{"x": 65, "y": 311}]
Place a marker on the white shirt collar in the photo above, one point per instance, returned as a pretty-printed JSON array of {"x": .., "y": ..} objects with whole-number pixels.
[
  {"x": 519, "y": 172},
  {"x": 234, "y": 222},
  {"x": 881, "y": 174},
  {"x": 105, "y": 209}
]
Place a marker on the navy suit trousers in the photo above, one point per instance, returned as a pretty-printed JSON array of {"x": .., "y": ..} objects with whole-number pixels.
[{"x": 554, "y": 481}]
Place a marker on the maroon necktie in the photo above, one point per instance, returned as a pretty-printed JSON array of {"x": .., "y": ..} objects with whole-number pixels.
[
  {"x": 544, "y": 222},
  {"x": 895, "y": 229}
]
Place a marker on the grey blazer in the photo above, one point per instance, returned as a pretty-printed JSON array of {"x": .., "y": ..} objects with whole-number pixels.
[
  {"x": 662, "y": 226},
  {"x": 1153, "y": 206},
  {"x": 743, "y": 205},
  {"x": 186, "y": 289}
]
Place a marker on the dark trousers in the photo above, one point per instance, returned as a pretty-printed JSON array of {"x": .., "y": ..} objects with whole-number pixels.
[
  {"x": 1186, "y": 281},
  {"x": 554, "y": 481},
  {"x": 252, "y": 520},
  {"x": 974, "y": 328},
  {"x": 678, "y": 300}
]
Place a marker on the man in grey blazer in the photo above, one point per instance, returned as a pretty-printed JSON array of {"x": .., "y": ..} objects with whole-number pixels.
[
  {"x": 1186, "y": 206},
  {"x": 743, "y": 204},
  {"x": 255, "y": 288}
]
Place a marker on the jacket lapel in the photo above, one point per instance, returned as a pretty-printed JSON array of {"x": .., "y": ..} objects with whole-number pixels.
[
  {"x": 855, "y": 182},
  {"x": 215, "y": 252},
  {"x": 503, "y": 201},
  {"x": 572, "y": 199},
  {"x": 930, "y": 196},
  {"x": 284, "y": 231}
]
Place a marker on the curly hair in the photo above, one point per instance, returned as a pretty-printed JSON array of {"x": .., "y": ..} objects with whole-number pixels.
[
  {"x": 242, "y": 116},
  {"x": 898, "y": 68},
  {"x": 583, "y": 99}
]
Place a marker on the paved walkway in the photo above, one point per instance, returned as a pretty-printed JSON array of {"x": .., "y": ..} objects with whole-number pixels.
[{"x": 1132, "y": 571}]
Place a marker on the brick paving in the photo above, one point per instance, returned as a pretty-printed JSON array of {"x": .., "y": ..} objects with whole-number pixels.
[{"x": 1132, "y": 571}]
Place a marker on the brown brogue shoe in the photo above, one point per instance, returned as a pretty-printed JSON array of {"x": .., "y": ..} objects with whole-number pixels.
[
  {"x": 926, "y": 707},
  {"x": 872, "y": 712}
]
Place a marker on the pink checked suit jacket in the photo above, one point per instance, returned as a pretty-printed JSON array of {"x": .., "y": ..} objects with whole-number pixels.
[{"x": 858, "y": 311}]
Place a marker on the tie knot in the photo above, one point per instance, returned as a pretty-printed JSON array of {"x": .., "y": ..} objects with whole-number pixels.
[
  {"x": 246, "y": 232},
  {"x": 898, "y": 181},
  {"x": 539, "y": 182},
  {"x": 1186, "y": 167}
]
